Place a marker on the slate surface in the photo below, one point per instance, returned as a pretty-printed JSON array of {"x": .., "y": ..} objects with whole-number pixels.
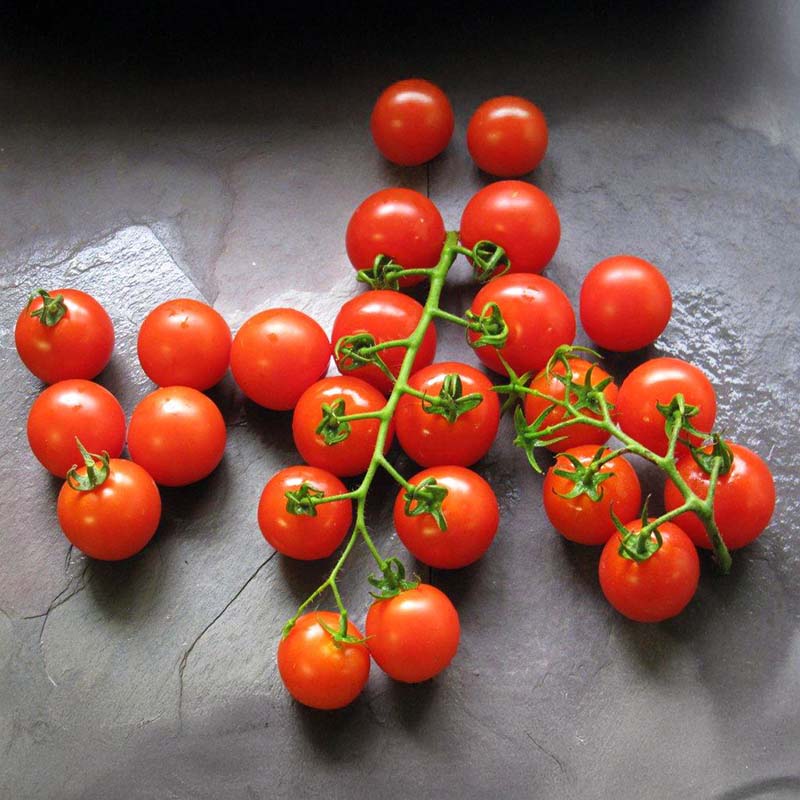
[{"x": 142, "y": 158}]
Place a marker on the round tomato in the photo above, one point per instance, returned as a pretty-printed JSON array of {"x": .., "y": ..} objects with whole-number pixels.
[
  {"x": 658, "y": 381},
  {"x": 70, "y": 338},
  {"x": 432, "y": 439},
  {"x": 277, "y": 354},
  {"x": 581, "y": 519},
  {"x": 518, "y": 217},
  {"x": 177, "y": 434},
  {"x": 625, "y": 303},
  {"x": 470, "y": 510},
  {"x": 507, "y": 136},
  {"x": 539, "y": 319},
  {"x": 412, "y": 122},
  {"x": 655, "y": 589},
  {"x": 70, "y": 409},
  {"x": 301, "y": 535},
  {"x": 744, "y": 498},
  {"x": 414, "y": 635},
  {"x": 318, "y": 671},
  {"x": 352, "y": 455},
  {"x": 117, "y": 518},
  {"x": 184, "y": 342},
  {"x": 386, "y": 315}
]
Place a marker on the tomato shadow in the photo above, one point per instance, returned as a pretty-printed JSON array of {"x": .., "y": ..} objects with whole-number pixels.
[
  {"x": 300, "y": 578},
  {"x": 415, "y": 178},
  {"x": 273, "y": 429}
]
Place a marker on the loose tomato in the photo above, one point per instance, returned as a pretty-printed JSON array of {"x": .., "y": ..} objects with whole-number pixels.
[
  {"x": 744, "y": 498},
  {"x": 71, "y": 338},
  {"x": 507, "y": 136},
  {"x": 177, "y": 434},
  {"x": 431, "y": 438},
  {"x": 318, "y": 671},
  {"x": 69, "y": 409},
  {"x": 412, "y": 122},
  {"x": 414, "y": 635}
]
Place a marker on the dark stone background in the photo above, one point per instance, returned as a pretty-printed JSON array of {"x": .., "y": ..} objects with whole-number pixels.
[{"x": 154, "y": 150}]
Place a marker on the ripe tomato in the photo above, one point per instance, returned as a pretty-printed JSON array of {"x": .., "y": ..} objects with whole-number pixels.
[
  {"x": 184, "y": 342},
  {"x": 625, "y": 303},
  {"x": 318, "y": 671},
  {"x": 351, "y": 456},
  {"x": 655, "y": 589},
  {"x": 77, "y": 345},
  {"x": 581, "y": 519},
  {"x": 658, "y": 381},
  {"x": 575, "y": 435},
  {"x": 301, "y": 535},
  {"x": 117, "y": 518},
  {"x": 412, "y": 122},
  {"x": 507, "y": 136},
  {"x": 74, "y": 408},
  {"x": 743, "y": 500},
  {"x": 470, "y": 510},
  {"x": 518, "y": 217},
  {"x": 277, "y": 354},
  {"x": 177, "y": 434},
  {"x": 431, "y": 439},
  {"x": 539, "y": 319},
  {"x": 413, "y": 635},
  {"x": 386, "y": 315}
]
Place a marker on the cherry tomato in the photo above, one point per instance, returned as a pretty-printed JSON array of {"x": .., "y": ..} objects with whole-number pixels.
[
  {"x": 77, "y": 345},
  {"x": 539, "y": 319},
  {"x": 412, "y": 122},
  {"x": 470, "y": 510},
  {"x": 301, "y": 535},
  {"x": 117, "y": 518},
  {"x": 414, "y": 635},
  {"x": 517, "y": 216},
  {"x": 184, "y": 342},
  {"x": 351, "y": 456},
  {"x": 625, "y": 303},
  {"x": 69, "y": 409},
  {"x": 744, "y": 498},
  {"x": 581, "y": 519},
  {"x": 658, "y": 381},
  {"x": 277, "y": 354},
  {"x": 507, "y": 136},
  {"x": 177, "y": 434},
  {"x": 431, "y": 439},
  {"x": 655, "y": 589},
  {"x": 386, "y": 315},
  {"x": 318, "y": 671}
]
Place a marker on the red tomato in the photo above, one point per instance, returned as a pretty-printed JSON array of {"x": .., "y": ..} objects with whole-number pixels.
[
  {"x": 74, "y": 408},
  {"x": 117, "y": 518},
  {"x": 318, "y": 671},
  {"x": 581, "y": 519},
  {"x": 300, "y": 535},
  {"x": 412, "y": 122},
  {"x": 470, "y": 510},
  {"x": 177, "y": 434},
  {"x": 539, "y": 319},
  {"x": 277, "y": 354},
  {"x": 507, "y": 136},
  {"x": 518, "y": 217},
  {"x": 658, "y": 381},
  {"x": 78, "y": 345},
  {"x": 184, "y": 342},
  {"x": 414, "y": 635},
  {"x": 387, "y": 315},
  {"x": 351, "y": 456},
  {"x": 431, "y": 439},
  {"x": 625, "y": 303},
  {"x": 655, "y": 589},
  {"x": 743, "y": 500}
]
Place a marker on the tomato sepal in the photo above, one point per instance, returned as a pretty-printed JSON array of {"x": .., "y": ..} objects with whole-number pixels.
[
  {"x": 95, "y": 476},
  {"x": 719, "y": 451},
  {"x": 52, "y": 309},
  {"x": 489, "y": 260},
  {"x": 529, "y": 438},
  {"x": 332, "y": 428},
  {"x": 341, "y": 636},
  {"x": 392, "y": 580},
  {"x": 585, "y": 479},
  {"x": 491, "y": 326},
  {"x": 641, "y": 545},
  {"x": 451, "y": 402},
  {"x": 428, "y": 496},
  {"x": 301, "y": 501},
  {"x": 358, "y": 350}
]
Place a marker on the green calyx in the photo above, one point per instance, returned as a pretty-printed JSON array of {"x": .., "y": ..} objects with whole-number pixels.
[
  {"x": 719, "y": 452},
  {"x": 359, "y": 350},
  {"x": 340, "y": 635},
  {"x": 586, "y": 479},
  {"x": 95, "y": 474},
  {"x": 580, "y": 395},
  {"x": 638, "y": 545},
  {"x": 530, "y": 437},
  {"x": 385, "y": 273},
  {"x": 51, "y": 310},
  {"x": 426, "y": 497},
  {"x": 451, "y": 401},
  {"x": 392, "y": 580},
  {"x": 301, "y": 502},
  {"x": 490, "y": 325},
  {"x": 332, "y": 427},
  {"x": 489, "y": 260}
]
